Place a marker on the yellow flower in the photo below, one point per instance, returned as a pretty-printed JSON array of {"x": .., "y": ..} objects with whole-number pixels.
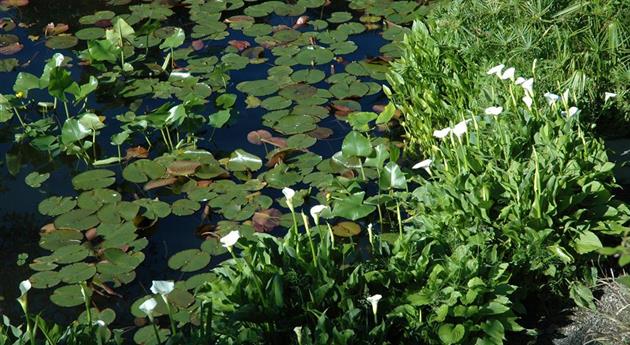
[{"x": 20, "y": 94}]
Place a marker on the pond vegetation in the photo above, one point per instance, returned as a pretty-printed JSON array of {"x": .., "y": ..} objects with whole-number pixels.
[{"x": 311, "y": 171}]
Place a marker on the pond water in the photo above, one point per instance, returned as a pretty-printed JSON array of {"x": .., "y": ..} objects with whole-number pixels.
[{"x": 339, "y": 49}]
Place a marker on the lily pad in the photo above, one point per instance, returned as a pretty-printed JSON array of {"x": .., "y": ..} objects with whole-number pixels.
[
  {"x": 36, "y": 179},
  {"x": 143, "y": 170},
  {"x": 69, "y": 296},
  {"x": 346, "y": 229},
  {"x": 90, "y": 34},
  {"x": 56, "y": 205},
  {"x": 45, "y": 279},
  {"x": 93, "y": 179},
  {"x": 61, "y": 42},
  {"x": 77, "y": 272},
  {"x": 258, "y": 88},
  {"x": 189, "y": 260},
  {"x": 185, "y": 207},
  {"x": 79, "y": 219},
  {"x": 241, "y": 160}
]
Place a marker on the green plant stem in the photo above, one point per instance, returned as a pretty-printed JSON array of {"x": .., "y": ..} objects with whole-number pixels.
[
  {"x": 17, "y": 113},
  {"x": 310, "y": 240},
  {"x": 157, "y": 333},
  {"x": 65, "y": 107},
  {"x": 295, "y": 230},
  {"x": 170, "y": 315},
  {"x": 94, "y": 144},
  {"x": 170, "y": 141},
  {"x": 400, "y": 227}
]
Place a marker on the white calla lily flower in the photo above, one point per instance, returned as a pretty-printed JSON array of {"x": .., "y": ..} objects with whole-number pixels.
[
  {"x": 162, "y": 287},
  {"x": 528, "y": 86},
  {"x": 528, "y": 101},
  {"x": 508, "y": 73},
  {"x": 496, "y": 70},
  {"x": 289, "y": 194},
  {"x": 609, "y": 95},
  {"x": 229, "y": 240},
  {"x": 24, "y": 286},
  {"x": 425, "y": 164},
  {"x": 316, "y": 211},
  {"x": 519, "y": 81},
  {"x": 461, "y": 128},
  {"x": 493, "y": 111},
  {"x": 442, "y": 133},
  {"x": 374, "y": 302},
  {"x": 551, "y": 97},
  {"x": 148, "y": 306}
]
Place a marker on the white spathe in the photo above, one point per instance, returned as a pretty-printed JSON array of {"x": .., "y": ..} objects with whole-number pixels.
[
  {"x": 461, "y": 128},
  {"x": 609, "y": 95},
  {"x": 374, "y": 302},
  {"x": 493, "y": 111},
  {"x": 148, "y": 306},
  {"x": 229, "y": 240},
  {"x": 24, "y": 286},
  {"x": 316, "y": 211},
  {"x": 528, "y": 86},
  {"x": 162, "y": 287},
  {"x": 551, "y": 97},
  {"x": 496, "y": 70},
  {"x": 442, "y": 133},
  {"x": 425, "y": 164},
  {"x": 528, "y": 101},
  {"x": 508, "y": 74}
]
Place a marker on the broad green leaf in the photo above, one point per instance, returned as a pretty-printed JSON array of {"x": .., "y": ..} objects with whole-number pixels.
[
  {"x": 451, "y": 334},
  {"x": 356, "y": 144},
  {"x": 392, "y": 177},
  {"x": 352, "y": 207},
  {"x": 242, "y": 161}
]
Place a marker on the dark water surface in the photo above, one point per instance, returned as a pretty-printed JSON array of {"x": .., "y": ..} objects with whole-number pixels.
[{"x": 19, "y": 220}]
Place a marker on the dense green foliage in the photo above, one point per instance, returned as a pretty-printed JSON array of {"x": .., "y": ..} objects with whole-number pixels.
[{"x": 579, "y": 45}]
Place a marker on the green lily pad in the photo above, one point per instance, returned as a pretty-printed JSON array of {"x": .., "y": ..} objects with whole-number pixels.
[
  {"x": 294, "y": 124},
  {"x": 143, "y": 170},
  {"x": 298, "y": 92},
  {"x": 45, "y": 279},
  {"x": 60, "y": 238},
  {"x": 276, "y": 103},
  {"x": 90, "y": 34},
  {"x": 98, "y": 16},
  {"x": 314, "y": 56},
  {"x": 93, "y": 179},
  {"x": 310, "y": 76},
  {"x": 189, "y": 260},
  {"x": 79, "y": 219},
  {"x": 56, "y": 205},
  {"x": 36, "y": 179},
  {"x": 61, "y": 42},
  {"x": 258, "y": 88},
  {"x": 340, "y": 17},
  {"x": 95, "y": 199},
  {"x": 69, "y": 296},
  {"x": 70, "y": 254},
  {"x": 242, "y": 161},
  {"x": 301, "y": 141},
  {"x": 146, "y": 335},
  {"x": 77, "y": 272},
  {"x": 185, "y": 207}
]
